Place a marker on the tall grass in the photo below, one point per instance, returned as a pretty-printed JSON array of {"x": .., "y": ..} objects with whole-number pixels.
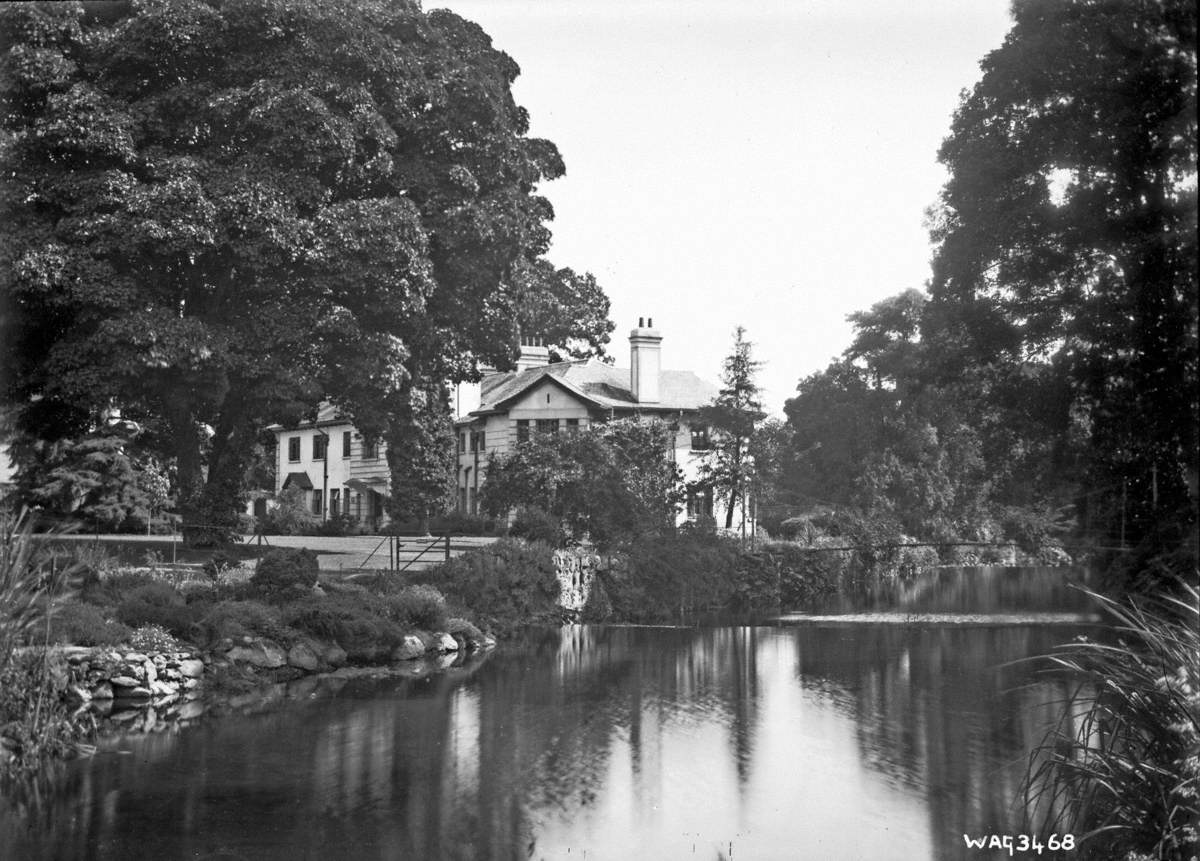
[
  {"x": 1121, "y": 767},
  {"x": 34, "y": 719}
]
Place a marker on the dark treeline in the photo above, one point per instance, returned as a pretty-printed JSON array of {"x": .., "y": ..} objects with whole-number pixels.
[{"x": 1045, "y": 384}]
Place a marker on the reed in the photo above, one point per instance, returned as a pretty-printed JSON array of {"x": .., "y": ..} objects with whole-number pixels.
[{"x": 1120, "y": 768}]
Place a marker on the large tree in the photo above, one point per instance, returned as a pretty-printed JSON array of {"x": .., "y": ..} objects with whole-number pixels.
[
  {"x": 1066, "y": 238},
  {"x": 223, "y": 212}
]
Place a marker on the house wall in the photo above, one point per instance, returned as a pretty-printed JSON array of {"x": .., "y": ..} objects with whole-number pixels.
[
  {"x": 330, "y": 477},
  {"x": 550, "y": 401}
]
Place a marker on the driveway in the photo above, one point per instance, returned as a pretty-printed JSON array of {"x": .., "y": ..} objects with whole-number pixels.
[{"x": 350, "y": 552}]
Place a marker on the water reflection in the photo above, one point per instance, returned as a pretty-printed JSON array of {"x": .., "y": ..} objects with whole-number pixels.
[
  {"x": 623, "y": 742},
  {"x": 990, "y": 589}
]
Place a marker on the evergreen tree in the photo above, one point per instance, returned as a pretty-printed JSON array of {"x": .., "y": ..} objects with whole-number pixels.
[{"x": 731, "y": 418}]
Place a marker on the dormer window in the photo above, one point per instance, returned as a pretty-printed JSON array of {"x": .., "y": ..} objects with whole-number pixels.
[{"x": 700, "y": 440}]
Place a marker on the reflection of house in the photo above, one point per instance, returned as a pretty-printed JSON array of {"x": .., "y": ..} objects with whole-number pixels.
[
  {"x": 540, "y": 397},
  {"x": 338, "y": 472}
]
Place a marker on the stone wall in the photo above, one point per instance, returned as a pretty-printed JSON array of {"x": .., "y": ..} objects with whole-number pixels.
[{"x": 111, "y": 680}]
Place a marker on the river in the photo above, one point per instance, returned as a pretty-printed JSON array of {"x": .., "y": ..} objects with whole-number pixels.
[{"x": 883, "y": 729}]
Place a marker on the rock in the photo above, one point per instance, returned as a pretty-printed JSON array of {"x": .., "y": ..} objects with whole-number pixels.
[
  {"x": 102, "y": 691},
  {"x": 138, "y": 693},
  {"x": 192, "y": 669},
  {"x": 489, "y": 642},
  {"x": 125, "y": 682},
  {"x": 77, "y": 654},
  {"x": 82, "y": 694},
  {"x": 135, "y": 658},
  {"x": 259, "y": 653},
  {"x": 412, "y": 647},
  {"x": 318, "y": 591},
  {"x": 302, "y": 656},
  {"x": 151, "y": 671},
  {"x": 334, "y": 655},
  {"x": 191, "y": 710},
  {"x": 163, "y": 689},
  {"x": 445, "y": 643}
]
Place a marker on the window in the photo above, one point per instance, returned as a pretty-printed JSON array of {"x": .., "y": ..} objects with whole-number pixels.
[
  {"x": 345, "y": 443},
  {"x": 700, "y": 440},
  {"x": 317, "y": 502},
  {"x": 547, "y": 425},
  {"x": 477, "y": 441},
  {"x": 462, "y": 441},
  {"x": 699, "y": 502},
  {"x": 370, "y": 449},
  {"x": 319, "y": 443},
  {"x": 572, "y": 425},
  {"x": 335, "y": 501},
  {"x": 293, "y": 449},
  {"x": 522, "y": 430}
]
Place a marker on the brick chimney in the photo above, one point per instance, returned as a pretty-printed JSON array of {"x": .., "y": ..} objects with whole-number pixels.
[
  {"x": 534, "y": 354},
  {"x": 645, "y": 361}
]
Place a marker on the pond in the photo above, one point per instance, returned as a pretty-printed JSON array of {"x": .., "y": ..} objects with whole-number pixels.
[{"x": 821, "y": 738}]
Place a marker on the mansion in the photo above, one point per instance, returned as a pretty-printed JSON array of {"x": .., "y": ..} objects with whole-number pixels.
[
  {"x": 341, "y": 475},
  {"x": 544, "y": 397}
]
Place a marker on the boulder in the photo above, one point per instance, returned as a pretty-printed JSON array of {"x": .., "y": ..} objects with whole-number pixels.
[
  {"x": 302, "y": 656},
  {"x": 150, "y": 670},
  {"x": 135, "y": 658},
  {"x": 138, "y": 693},
  {"x": 124, "y": 682},
  {"x": 411, "y": 648},
  {"x": 190, "y": 710},
  {"x": 102, "y": 691},
  {"x": 445, "y": 643},
  {"x": 334, "y": 655},
  {"x": 191, "y": 668},
  {"x": 259, "y": 653}
]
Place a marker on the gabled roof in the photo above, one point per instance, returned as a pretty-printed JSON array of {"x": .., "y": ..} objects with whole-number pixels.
[{"x": 599, "y": 385}]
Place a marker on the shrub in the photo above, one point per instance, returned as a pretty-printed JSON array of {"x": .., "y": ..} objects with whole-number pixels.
[
  {"x": 157, "y": 603},
  {"x": 504, "y": 585},
  {"x": 289, "y": 516},
  {"x": 1121, "y": 766},
  {"x": 536, "y": 525},
  {"x": 236, "y": 619},
  {"x": 285, "y": 573},
  {"x": 109, "y": 590},
  {"x": 85, "y": 625},
  {"x": 220, "y": 562},
  {"x": 419, "y": 606},
  {"x": 154, "y": 638},
  {"x": 463, "y": 628}
]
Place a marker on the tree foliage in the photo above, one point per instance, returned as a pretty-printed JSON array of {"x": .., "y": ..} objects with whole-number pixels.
[
  {"x": 222, "y": 213},
  {"x": 421, "y": 456},
  {"x": 611, "y": 483},
  {"x": 731, "y": 419},
  {"x": 1066, "y": 236},
  {"x": 93, "y": 478},
  {"x": 1049, "y": 378}
]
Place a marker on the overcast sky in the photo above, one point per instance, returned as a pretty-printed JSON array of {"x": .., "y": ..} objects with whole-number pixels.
[{"x": 746, "y": 162}]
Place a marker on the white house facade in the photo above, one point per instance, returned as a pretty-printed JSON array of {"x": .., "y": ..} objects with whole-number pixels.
[
  {"x": 544, "y": 397},
  {"x": 340, "y": 474}
]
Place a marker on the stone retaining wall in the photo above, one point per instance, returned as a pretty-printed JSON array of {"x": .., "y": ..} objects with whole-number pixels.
[{"x": 577, "y": 568}]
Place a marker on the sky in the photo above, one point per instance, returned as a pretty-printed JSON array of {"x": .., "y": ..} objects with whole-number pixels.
[{"x": 761, "y": 163}]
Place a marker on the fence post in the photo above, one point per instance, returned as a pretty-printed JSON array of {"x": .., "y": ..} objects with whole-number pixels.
[{"x": 447, "y": 545}]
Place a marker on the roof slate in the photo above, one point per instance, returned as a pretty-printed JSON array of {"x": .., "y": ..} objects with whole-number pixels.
[{"x": 603, "y": 385}]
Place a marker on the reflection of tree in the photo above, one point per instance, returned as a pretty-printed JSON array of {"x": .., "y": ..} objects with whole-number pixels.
[
  {"x": 461, "y": 765},
  {"x": 991, "y": 589},
  {"x": 945, "y": 711}
]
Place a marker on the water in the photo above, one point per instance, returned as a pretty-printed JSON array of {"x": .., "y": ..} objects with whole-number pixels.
[{"x": 813, "y": 740}]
